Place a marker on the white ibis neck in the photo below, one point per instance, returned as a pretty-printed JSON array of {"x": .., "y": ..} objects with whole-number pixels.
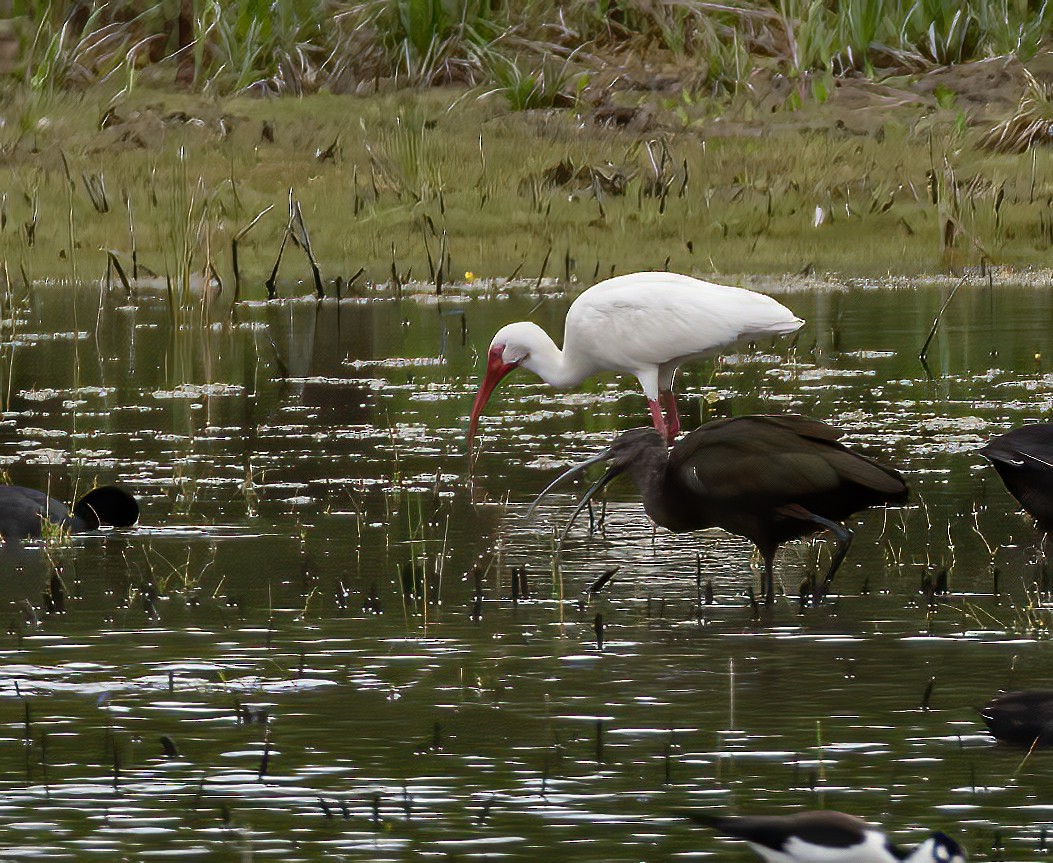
[{"x": 559, "y": 369}]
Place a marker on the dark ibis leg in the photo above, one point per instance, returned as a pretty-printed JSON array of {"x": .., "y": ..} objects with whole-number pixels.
[
  {"x": 769, "y": 579},
  {"x": 842, "y": 539},
  {"x": 672, "y": 419},
  {"x": 657, "y": 418}
]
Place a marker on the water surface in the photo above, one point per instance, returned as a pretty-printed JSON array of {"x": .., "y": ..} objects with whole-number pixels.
[{"x": 299, "y": 610}]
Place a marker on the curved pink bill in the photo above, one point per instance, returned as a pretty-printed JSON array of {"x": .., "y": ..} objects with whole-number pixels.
[{"x": 496, "y": 369}]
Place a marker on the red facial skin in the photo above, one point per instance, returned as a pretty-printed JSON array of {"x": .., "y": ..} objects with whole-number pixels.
[{"x": 496, "y": 369}]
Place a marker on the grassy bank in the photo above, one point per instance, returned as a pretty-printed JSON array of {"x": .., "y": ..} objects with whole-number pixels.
[{"x": 834, "y": 164}]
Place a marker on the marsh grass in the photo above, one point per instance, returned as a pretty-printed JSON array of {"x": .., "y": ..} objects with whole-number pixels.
[
  {"x": 1030, "y": 124},
  {"x": 297, "y": 46},
  {"x": 162, "y": 576},
  {"x": 414, "y": 176},
  {"x": 545, "y": 83}
]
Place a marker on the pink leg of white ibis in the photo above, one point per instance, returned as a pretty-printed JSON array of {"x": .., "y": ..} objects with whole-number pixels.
[
  {"x": 672, "y": 420},
  {"x": 657, "y": 418}
]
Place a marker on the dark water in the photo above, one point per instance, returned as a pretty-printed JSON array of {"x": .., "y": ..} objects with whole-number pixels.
[{"x": 305, "y": 556}]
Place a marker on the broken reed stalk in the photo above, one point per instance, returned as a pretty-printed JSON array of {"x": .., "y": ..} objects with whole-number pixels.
[
  {"x": 544, "y": 265},
  {"x": 272, "y": 292},
  {"x": 131, "y": 236},
  {"x": 427, "y": 251},
  {"x": 444, "y": 262},
  {"x": 95, "y": 186},
  {"x": 115, "y": 263},
  {"x": 70, "y": 188},
  {"x": 395, "y": 280},
  {"x": 303, "y": 240},
  {"x": 936, "y": 321}
]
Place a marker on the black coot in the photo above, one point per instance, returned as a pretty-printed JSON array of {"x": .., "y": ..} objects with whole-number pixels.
[
  {"x": 23, "y": 511},
  {"x": 1024, "y": 717}
]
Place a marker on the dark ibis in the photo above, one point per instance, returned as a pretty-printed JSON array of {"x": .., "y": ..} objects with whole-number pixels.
[
  {"x": 23, "y": 511},
  {"x": 767, "y": 478},
  {"x": 1023, "y": 458},
  {"x": 1023, "y": 718},
  {"x": 643, "y": 324},
  {"x": 825, "y": 836}
]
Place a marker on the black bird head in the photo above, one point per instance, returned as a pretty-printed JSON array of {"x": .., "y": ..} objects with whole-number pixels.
[
  {"x": 107, "y": 504},
  {"x": 628, "y": 449}
]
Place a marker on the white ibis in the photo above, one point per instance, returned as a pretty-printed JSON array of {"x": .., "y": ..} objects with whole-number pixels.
[
  {"x": 1023, "y": 458},
  {"x": 825, "y": 837},
  {"x": 1024, "y": 717},
  {"x": 767, "y": 478},
  {"x": 643, "y": 324},
  {"x": 23, "y": 511}
]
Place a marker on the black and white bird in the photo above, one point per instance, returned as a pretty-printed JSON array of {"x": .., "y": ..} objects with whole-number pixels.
[
  {"x": 1023, "y": 458},
  {"x": 1024, "y": 717},
  {"x": 825, "y": 837},
  {"x": 25, "y": 511}
]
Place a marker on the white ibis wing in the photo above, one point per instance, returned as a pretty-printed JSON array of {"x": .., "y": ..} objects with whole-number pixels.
[{"x": 643, "y": 319}]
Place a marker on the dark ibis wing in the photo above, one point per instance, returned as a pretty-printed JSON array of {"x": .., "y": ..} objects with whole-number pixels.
[
  {"x": 729, "y": 473},
  {"x": 796, "y": 424},
  {"x": 1023, "y": 458},
  {"x": 776, "y": 458},
  {"x": 1032, "y": 442},
  {"x": 867, "y": 473}
]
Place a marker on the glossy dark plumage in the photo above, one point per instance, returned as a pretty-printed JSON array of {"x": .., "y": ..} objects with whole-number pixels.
[
  {"x": 1024, "y": 717},
  {"x": 825, "y": 836},
  {"x": 24, "y": 510},
  {"x": 1023, "y": 458},
  {"x": 767, "y": 478}
]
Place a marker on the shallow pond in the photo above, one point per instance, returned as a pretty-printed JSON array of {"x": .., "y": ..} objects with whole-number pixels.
[{"x": 316, "y": 609}]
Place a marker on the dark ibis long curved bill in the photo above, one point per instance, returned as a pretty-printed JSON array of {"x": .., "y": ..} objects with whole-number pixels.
[
  {"x": 496, "y": 369},
  {"x": 567, "y": 474},
  {"x": 594, "y": 489}
]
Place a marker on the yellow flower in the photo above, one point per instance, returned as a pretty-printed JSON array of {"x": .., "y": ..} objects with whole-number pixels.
[{"x": 469, "y": 277}]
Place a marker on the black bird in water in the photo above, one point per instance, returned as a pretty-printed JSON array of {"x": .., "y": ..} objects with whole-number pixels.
[
  {"x": 767, "y": 478},
  {"x": 825, "y": 836},
  {"x": 23, "y": 511},
  {"x": 1024, "y": 717},
  {"x": 1023, "y": 458}
]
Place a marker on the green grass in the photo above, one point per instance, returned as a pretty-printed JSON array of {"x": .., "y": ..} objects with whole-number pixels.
[
  {"x": 298, "y": 46},
  {"x": 104, "y": 163},
  {"x": 413, "y": 168}
]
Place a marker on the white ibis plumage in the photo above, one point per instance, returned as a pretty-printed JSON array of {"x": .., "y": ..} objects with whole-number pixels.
[
  {"x": 1023, "y": 458},
  {"x": 825, "y": 836},
  {"x": 23, "y": 511},
  {"x": 643, "y": 324},
  {"x": 767, "y": 478}
]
